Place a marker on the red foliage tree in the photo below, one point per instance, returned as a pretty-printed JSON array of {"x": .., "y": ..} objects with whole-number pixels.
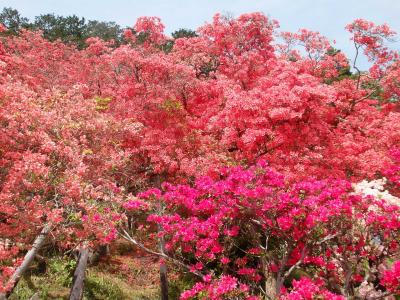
[{"x": 83, "y": 131}]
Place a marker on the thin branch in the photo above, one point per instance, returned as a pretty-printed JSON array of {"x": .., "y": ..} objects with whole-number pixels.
[
  {"x": 327, "y": 238},
  {"x": 298, "y": 263},
  {"x": 355, "y": 64},
  {"x": 126, "y": 236},
  {"x": 382, "y": 296}
]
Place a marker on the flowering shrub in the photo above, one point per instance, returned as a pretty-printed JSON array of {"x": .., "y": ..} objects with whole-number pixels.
[
  {"x": 391, "y": 278},
  {"x": 257, "y": 227},
  {"x": 392, "y": 172},
  {"x": 226, "y": 287},
  {"x": 172, "y": 146},
  {"x": 306, "y": 289}
]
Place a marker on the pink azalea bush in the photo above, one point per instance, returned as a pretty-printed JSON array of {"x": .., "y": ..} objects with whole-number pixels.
[{"x": 255, "y": 227}]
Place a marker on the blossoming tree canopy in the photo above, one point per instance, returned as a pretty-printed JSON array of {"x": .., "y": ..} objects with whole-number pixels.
[{"x": 254, "y": 154}]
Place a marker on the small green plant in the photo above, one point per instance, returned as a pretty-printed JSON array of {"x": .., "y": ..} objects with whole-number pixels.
[
  {"x": 171, "y": 105},
  {"x": 62, "y": 269},
  {"x": 102, "y": 103}
]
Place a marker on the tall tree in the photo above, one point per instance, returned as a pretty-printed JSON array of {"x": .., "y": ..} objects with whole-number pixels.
[
  {"x": 70, "y": 29},
  {"x": 104, "y": 30},
  {"x": 184, "y": 33},
  {"x": 13, "y": 21}
]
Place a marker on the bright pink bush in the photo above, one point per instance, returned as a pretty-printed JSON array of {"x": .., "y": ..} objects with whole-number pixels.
[
  {"x": 255, "y": 226},
  {"x": 306, "y": 289},
  {"x": 84, "y": 134},
  {"x": 391, "y": 278}
]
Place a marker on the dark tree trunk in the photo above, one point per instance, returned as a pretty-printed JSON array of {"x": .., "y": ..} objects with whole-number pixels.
[
  {"x": 163, "y": 267},
  {"x": 79, "y": 275},
  {"x": 163, "y": 273},
  {"x": 29, "y": 257}
]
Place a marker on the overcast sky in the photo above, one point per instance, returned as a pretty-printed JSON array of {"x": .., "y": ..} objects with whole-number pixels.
[{"x": 326, "y": 16}]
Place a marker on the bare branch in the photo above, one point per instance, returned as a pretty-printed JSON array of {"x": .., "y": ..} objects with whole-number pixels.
[
  {"x": 298, "y": 263},
  {"x": 129, "y": 238}
]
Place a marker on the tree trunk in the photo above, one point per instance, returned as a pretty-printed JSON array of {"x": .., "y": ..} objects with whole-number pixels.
[
  {"x": 270, "y": 284},
  {"x": 163, "y": 273},
  {"x": 79, "y": 275},
  {"x": 270, "y": 281},
  {"x": 163, "y": 267},
  {"x": 29, "y": 257}
]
